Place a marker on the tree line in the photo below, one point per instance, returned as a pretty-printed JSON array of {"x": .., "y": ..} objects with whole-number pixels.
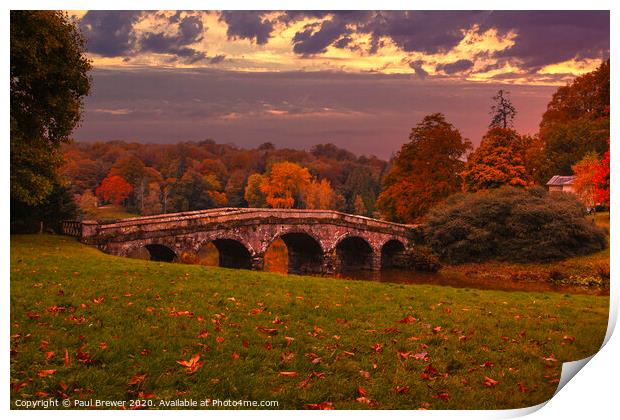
[{"x": 151, "y": 179}]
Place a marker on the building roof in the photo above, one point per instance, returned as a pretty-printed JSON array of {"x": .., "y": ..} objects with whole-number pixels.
[{"x": 561, "y": 180}]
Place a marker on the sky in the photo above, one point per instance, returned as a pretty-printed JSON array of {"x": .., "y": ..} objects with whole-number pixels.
[{"x": 358, "y": 79}]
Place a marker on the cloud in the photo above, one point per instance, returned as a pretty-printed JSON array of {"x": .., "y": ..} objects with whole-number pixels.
[
  {"x": 247, "y": 25},
  {"x": 109, "y": 33},
  {"x": 217, "y": 59},
  {"x": 456, "y": 67},
  {"x": 417, "y": 68},
  {"x": 190, "y": 30},
  {"x": 543, "y": 37},
  {"x": 316, "y": 38},
  {"x": 546, "y": 37}
]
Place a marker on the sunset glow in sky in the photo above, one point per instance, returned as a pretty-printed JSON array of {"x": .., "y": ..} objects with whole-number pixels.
[{"x": 358, "y": 79}]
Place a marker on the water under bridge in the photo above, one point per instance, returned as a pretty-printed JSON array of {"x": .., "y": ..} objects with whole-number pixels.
[{"x": 317, "y": 241}]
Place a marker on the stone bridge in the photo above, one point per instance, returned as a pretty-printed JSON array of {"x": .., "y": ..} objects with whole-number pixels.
[{"x": 317, "y": 241}]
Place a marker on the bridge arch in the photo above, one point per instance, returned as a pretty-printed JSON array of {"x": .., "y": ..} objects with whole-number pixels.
[
  {"x": 390, "y": 251},
  {"x": 354, "y": 252},
  {"x": 154, "y": 251},
  {"x": 232, "y": 252},
  {"x": 304, "y": 251}
]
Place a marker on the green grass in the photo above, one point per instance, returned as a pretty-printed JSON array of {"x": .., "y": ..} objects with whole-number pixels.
[
  {"x": 334, "y": 323},
  {"x": 109, "y": 212}
]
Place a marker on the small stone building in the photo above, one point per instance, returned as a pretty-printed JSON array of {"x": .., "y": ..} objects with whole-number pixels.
[{"x": 559, "y": 183}]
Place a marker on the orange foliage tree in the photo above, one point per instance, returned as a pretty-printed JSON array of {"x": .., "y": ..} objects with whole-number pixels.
[
  {"x": 319, "y": 195},
  {"x": 113, "y": 189},
  {"x": 284, "y": 184},
  {"x": 425, "y": 171},
  {"x": 585, "y": 172},
  {"x": 496, "y": 162}
]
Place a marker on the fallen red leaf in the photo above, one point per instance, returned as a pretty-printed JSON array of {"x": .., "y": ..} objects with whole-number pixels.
[
  {"x": 326, "y": 405},
  {"x": 490, "y": 382},
  {"x": 191, "y": 365},
  {"x": 33, "y": 315},
  {"x": 136, "y": 379},
  {"x": 442, "y": 396},
  {"x": 46, "y": 372},
  {"x": 401, "y": 389},
  {"x": 404, "y": 354},
  {"x": 268, "y": 331},
  {"x": 407, "y": 320},
  {"x": 288, "y": 374}
]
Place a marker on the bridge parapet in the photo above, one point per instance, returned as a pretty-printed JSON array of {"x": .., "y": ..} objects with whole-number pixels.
[{"x": 197, "y": 220}]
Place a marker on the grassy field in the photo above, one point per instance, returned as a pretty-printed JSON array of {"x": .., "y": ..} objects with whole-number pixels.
[
  {"x": 109, "y": 212},
  {"x": 85, "y": 325}
]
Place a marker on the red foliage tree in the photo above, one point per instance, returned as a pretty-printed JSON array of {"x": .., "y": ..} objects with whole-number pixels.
[
  {"x": 601, "y": 181},
  {"x": 113, "y": 189}
]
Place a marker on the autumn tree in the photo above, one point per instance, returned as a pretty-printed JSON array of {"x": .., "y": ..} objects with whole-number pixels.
[
  {"x": 319, "y": 195},
  {"x": 496, "y": 162},
  {"x": 585, "y": 173},
  {"x": 284, "y": 184},
  {"x": 576, "y": 122},
  {"x": 48, "y": 82},
  {"x": 87, "y": 202},
  {"x": 253, "y": 194},
  {"x": 503, "y": 111},
  {"x": 195, "y": 191},
  {"x": 602, "y": 181},
  {"x": 358, "y": 205},
  {"x": 152, "y": 200},
  {"x": 234, "y": 188},
  {"x": 113, "y": 189},
  {"x": 425, "y": 171}
]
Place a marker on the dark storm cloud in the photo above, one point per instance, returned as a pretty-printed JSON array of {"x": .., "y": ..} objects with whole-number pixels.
[
  {"x": 109, "y": 33},
  {"x": 290, "y": 109},
  {"x": 190, "y": 30},
  {"x": 546, "y": 37},
  {"x": 456, "y": 67},
  {"x": 247, "y": 25},
  {"x": 313, "y": 41},
  {"x": 543, "y": 37}
]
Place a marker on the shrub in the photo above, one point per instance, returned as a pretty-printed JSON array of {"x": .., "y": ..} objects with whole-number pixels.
[
  {"x": 420, "y": 258},
  {"x": 511, "y": 224}
]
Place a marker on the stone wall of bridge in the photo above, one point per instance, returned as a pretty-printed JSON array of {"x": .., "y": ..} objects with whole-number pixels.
[{"x": 318, "y": 241}]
